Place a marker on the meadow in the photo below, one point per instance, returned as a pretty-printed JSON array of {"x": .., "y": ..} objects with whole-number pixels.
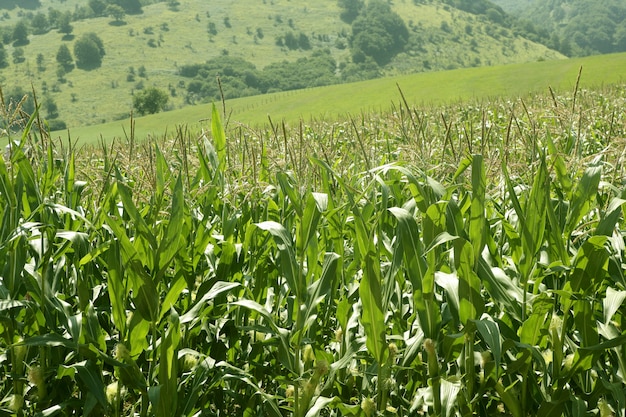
[
  {"x": 381, "y": 95},
  {"x": 454, "y": 259}
]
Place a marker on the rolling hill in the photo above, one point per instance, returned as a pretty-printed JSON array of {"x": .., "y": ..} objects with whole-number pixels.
[
  {"x": 382, "y": 95},
  {"x": 148, "y": 49},
  {"x": 584, "y": 27}
]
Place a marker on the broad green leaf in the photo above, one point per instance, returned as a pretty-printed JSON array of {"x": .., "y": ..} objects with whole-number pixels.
[
  {"x": 583, "y": 196},
  {"x": 585, "y": 323},
  {"x": 478, "y": 222},
  {"x": 172, "y": 241},
  {"x": 117, "y": 287},
  {"x": 590, "y": 265},
  {"x": 611, "y": 303},
  {"x": 168, "y": 367},
  {"x": 471, "y": 303},
  {"x": 373, "y": 318},
  {"x": 307, "y": 228},
  {"x": 409, "y": 243},
  {"x": 502, "y": 288},
  {"x": 449, "y": 393},
  {"x": 173, "y": 293},
  {"x": 217, "y": 289},
  {"x": 289, "y": 266},
  {"x": 91, "y": 377},
  {"x": 611, "y": 217},
  {"x": 490, "y": 333},
  {"x": 219, "y": 138},
  {"x": 287, "y": 185}
]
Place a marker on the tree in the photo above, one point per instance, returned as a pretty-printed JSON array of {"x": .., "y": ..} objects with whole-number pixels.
[
  {"x": 64, "y": 56},
  {"x": 41, "y": 62},
  {"x": 3, "y": 57},
  {"x": 18, "y": 55},
  {"x": 52, "y": 110},
  {"x": 379, "y": 32},
  {"x": 20, "y": 33},
  {"x": 129, "y": 6},
  {"x": 350, "y": 9},
  {"x": 88, "y": 51},
  {"x": 98, "y": 7},
  {"x": 64, "y": 23},
  {"x": 40, "y": 24},
  {"x": 116, "y": 12},
  {"x": 150, "y": 101}
]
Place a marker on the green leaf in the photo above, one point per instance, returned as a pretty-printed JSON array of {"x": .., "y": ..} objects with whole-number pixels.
[
  {"x": 612, "y": 302},
  {"x": 590, "y": 265},
  {"x": 92, "y": 378},
  {"x": 449, "y": 392},
  {"x": 287, "y": 185},
  {"x": 173, "y": 240},
  {"x": 611, "y": 217},
  {"x": 219, "y": 138},
  {"x": 478, "y": 222},
  {"x": 373, "y": 319},
  {"x": 168, "y": 367},
  {"x": 288, "y": 262},
  {"x": 410, "y": 245},
  {"x": 217, "y": 289},
  {"x": 583, "y": 196},
  {"x": 490, "y": 333},
  {"x": 471, "y": 303}
]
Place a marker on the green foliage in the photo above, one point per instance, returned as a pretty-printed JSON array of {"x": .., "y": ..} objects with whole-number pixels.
[
  {"x": 64, "y": 23},
  {"x": 350, "y": 9},
  {"x": 116, "y": 12},
  {"x": 589, "y": 27},
  {"x": 20, "y": 34},
  {"x": 240, "y": 78},
  {"x": 378, "y": 32},
  {"x": 3, "y": 57},
  {"x": 40, "y": 24},
  {"x": 457, "y": 260},
  {"x": 64, "y": 56},
  {"x": 89, "y": 51},
  {"x": 98, "y": 6},
  {"x": 150, "y": 101},
  {"x": 129, "y": 6}
]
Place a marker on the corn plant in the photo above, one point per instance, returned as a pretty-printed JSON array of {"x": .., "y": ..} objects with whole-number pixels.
[{"x": 463, "y": 260}]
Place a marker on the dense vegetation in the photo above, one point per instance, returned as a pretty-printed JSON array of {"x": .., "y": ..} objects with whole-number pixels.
[
  {"x": 459, "y": 260},
  {"x": 584, "y": 27}
]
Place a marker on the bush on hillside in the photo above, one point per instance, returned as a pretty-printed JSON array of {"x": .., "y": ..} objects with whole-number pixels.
[
  {"x": 150, "y": 101},
  {"x": 89, "y": 51}
]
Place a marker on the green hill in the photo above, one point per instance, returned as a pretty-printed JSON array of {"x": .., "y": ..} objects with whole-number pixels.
[
  {"x": 334, "y": 102},
  {"x": 584, "y": 27},
  {"x": 148, "y": 49}
]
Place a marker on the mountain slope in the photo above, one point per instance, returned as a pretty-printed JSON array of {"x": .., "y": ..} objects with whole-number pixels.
[
  {"x": 584, "y": 26},
  {"x": 149, "y": 49}
]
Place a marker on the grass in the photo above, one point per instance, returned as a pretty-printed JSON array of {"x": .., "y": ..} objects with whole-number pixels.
[
  {"x": 465, "y": 259},
  {"x": 104, "y": 95},
  {"x": 336, "y": 102}
]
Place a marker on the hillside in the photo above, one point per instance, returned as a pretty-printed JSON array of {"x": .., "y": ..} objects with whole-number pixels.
[
  {"x": 513, "y": 6},
  {"x": 149, "y": 49},
  {"x": 469, "y": 85},
  {"x": 584, "y": 27}
]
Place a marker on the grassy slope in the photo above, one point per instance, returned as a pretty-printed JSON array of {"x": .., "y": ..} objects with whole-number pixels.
[
  {"x": 330, "y": 103},
  {"x": 104, "y": 94}
]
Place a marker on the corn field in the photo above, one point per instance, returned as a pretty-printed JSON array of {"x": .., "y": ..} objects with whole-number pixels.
[{"x": 451, "y": 261}]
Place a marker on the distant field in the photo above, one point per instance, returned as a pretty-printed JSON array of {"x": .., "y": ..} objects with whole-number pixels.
[{"x": 331, "y": 103}]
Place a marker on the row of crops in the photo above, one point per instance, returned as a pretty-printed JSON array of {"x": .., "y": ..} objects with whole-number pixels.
[{"x": 454, "y": 261}]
